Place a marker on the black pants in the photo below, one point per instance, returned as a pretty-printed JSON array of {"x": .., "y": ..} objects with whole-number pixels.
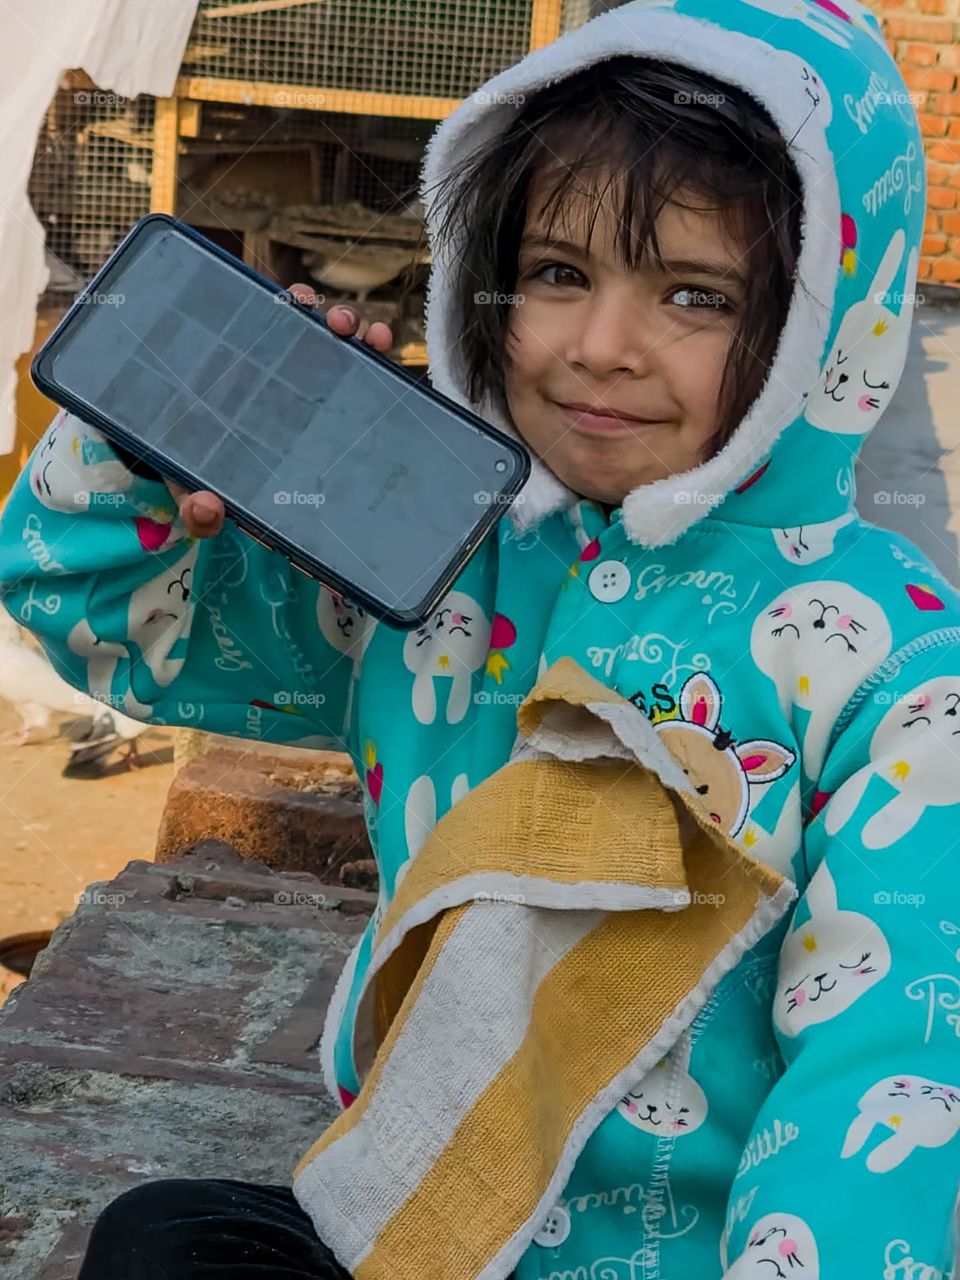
[{"x": 206, "y": 1229}]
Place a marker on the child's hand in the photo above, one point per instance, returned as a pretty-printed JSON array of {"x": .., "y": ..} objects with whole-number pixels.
[{"x": 202, "y": 512}]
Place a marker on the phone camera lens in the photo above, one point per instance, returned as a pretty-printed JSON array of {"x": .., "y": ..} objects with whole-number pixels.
[{"x": 500, "y": 465}]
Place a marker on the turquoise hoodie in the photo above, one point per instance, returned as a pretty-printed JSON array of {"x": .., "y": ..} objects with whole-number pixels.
[{"x": 801, "y": 664}]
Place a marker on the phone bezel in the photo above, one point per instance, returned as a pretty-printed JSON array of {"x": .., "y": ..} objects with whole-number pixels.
[{"x": 404, "y": 619}]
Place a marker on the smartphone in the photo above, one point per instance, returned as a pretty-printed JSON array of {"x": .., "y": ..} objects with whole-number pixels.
[{"x": 321, "y": 448}]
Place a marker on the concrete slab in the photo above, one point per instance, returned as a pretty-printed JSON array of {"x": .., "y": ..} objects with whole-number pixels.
[{"x": 170, "y": 1029}]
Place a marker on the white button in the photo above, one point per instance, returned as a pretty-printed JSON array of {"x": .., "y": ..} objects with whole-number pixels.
[
  {"x": 555, "y": 1229},
  {"x": 609, "y": 581}
]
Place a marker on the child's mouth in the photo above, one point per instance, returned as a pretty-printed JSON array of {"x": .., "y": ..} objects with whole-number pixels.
[{"x": 606, "y": 423}]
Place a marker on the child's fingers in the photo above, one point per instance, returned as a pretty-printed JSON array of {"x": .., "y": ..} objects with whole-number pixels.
[
  {"x": 345, "y": 322},
  {"x": 201, "y": 512}
]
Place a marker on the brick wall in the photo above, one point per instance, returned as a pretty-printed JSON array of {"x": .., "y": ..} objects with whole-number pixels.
[{"x": 924, "y": 37}]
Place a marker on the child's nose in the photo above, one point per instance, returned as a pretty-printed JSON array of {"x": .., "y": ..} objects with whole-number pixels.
[{"x": 612, "y": 338}]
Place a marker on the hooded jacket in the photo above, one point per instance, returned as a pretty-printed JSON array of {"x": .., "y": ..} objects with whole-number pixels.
[{"x": 801, "y": 665}]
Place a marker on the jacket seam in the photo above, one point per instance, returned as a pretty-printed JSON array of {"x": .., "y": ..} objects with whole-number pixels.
[{"x": 887, "y": 671}]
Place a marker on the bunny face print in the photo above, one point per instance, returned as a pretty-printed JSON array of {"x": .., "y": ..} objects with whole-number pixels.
[
  {"x": 721, "y": 769},
  {"x": 444, "y": 653},
  {"x": 344, "y": 624},
  {"x": 780, "y": 1245},
  {"x": 667, "y": 1101},
  {"x": 828, "y": 963},
  {"x": 160, "y": 616},
  {"x": 817, "y": 642},
  {"x": 917, "y": 1113},
  {"x": 916, "y": 749},
  {"x": 868, "y": 353},
  {"x": 71, "y": 464}
]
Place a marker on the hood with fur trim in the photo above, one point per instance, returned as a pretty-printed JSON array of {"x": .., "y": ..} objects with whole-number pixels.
[{"x": 824, "y": 73}]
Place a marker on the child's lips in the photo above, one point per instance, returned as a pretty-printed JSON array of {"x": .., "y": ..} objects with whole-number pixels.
[{"x": 604, "y": 423}]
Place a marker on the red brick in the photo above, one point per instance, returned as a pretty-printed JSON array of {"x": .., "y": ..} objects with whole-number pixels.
[
  {"x": 950, "y": 57},
  {"x": 953, "y": 129},
  {"x": 919, "y": 55},
  {"x": 933, "y": 6},
  {"x": 944, "y": 104},
  {"x": 938, "y": 78},
  {"x": 948, "y": 152},
  {"x": 951, "y": 223},
  {"x": 933, "y": 126},
  {"x": 953, "y": 178},
  {"x": 937, "y": 173},
  {"x": 925, "y": 268},
  {"x": 925, "y": 29},
  {"x": 946, "y": 269},
  {"x": 934, "y": 244},
  {"x": 941, "y": 198},
  {"x": 932, "y": 222}
]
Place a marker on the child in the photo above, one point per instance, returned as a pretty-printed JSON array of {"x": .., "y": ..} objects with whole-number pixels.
[{"x": 675, "y": 251}]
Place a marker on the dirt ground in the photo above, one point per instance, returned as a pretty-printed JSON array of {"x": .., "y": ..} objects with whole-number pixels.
[{"x": 57, "y": 835}]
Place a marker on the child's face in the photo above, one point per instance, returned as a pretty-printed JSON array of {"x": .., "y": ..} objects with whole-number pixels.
[{"x": 650, "y": 343}]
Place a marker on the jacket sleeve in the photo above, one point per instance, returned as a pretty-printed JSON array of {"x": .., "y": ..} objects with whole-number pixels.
[
  {"x": 218, "y": 634},
  {"x": 853, "y": 1164}
]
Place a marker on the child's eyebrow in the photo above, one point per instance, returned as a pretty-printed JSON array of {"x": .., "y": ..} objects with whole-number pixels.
[{"x": 719, "y": 270}]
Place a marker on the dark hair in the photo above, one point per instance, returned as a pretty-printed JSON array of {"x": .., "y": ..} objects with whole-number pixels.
[{"x": 662, "y": 129}]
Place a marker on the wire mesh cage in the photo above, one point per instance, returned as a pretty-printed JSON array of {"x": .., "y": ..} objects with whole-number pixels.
[
  {"x": 433, "y": 48},
  {"x": 301, "y": 189},
  {"x": 90, "y": 181}
]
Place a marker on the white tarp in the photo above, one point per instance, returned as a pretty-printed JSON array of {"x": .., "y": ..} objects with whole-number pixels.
[{"x": 126, "y": 47}]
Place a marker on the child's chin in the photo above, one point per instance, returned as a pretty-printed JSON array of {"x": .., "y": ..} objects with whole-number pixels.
[{"x": 602, "y": 480}]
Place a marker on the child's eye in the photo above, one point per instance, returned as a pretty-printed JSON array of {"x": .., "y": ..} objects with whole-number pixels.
[{"x": 559, "y": 266}]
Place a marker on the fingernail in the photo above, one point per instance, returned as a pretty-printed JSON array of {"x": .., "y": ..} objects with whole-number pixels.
[
  {"x": 204, "y": 511},
  {"x": 352, "y": 314}
]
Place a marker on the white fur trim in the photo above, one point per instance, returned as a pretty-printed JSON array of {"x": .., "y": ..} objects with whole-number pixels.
[{"x": 652, "y": 514}]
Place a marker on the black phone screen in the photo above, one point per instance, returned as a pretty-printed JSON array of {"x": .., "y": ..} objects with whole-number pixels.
[{"x": 227, "y": 378}]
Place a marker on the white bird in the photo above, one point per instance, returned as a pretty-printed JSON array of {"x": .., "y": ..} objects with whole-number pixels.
[
  {"x": 355, "y": 268},
  {"x": 35, "y": 691}
]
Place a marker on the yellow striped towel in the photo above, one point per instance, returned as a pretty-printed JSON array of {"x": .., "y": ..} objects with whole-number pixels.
[{"x": 557, "y": 932}]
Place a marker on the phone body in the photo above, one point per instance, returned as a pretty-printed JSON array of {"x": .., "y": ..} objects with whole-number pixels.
[{"x": 320, "y": 447}]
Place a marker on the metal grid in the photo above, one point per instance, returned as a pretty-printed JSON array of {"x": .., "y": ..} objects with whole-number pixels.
[
  {"x": 91, "y": 180},
  {"x": 433, "y": 48},
  {"x": 264, "y": 157}
]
